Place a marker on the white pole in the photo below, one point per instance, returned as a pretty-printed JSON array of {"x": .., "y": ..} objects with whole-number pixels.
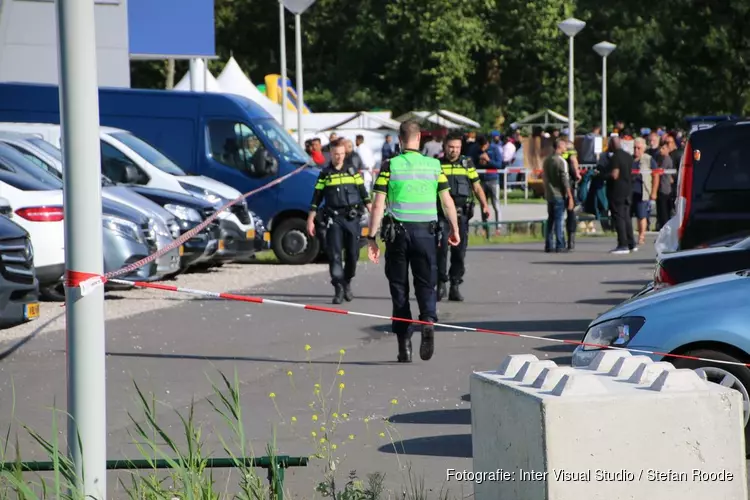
[
  {"x": 571, "y": 107},
  {"x": 282, "y": 29},
  {"x": 300, "y": 100},
  {"x": 604, "y": 99},
  {"x": 205, "y": 75},
  {"x": 194, "y": 75},
  {"x": 79, "y": 107}
]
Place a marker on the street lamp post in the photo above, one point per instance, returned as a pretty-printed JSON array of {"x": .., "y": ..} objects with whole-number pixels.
[
  {"x": 84, "y": 312},
  {"x": 298, "y": 7},
  {"x": 604, "y": 49},
  {"x": 571, "y": 27}
]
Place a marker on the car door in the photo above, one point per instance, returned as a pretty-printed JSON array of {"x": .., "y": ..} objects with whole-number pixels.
[{"x": 232, "y": 146}]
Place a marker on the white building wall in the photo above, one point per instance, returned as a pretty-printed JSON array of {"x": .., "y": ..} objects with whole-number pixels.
[{"x": 28, "y": 42}]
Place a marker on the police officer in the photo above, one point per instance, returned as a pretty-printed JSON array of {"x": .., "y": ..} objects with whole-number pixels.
[
  {"x": 342, "y": 189},
  {"x": 464, "y": 185},
  {"x": 410, "y": 183},
  {"x": 571, "y": 158}
]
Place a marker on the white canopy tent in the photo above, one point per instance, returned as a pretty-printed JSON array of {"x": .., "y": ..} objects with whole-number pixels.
[
  {"x": 365, "y": 120},
  {"x": 544, "y": 118},
  {"x": 234, "y": 81},
  {"x": 441, "y": 118},
  {"x": 211, "y": 85}
]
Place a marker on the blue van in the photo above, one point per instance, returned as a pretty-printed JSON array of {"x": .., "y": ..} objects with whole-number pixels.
[{"x": 223, "y": 136}]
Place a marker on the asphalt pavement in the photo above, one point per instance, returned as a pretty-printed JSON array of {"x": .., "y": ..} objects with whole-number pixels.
[{"x": 174, "y": 353}]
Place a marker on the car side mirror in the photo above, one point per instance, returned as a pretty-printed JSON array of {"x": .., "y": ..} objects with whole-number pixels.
[
  {"x": 131, "y": 174},
  {"x": 262, "y": 164}
]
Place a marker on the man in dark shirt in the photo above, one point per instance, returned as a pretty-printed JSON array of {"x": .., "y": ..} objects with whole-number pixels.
[{"x": 621, "y": 196}]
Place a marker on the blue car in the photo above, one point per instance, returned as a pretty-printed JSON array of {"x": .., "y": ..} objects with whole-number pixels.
[{"x": 707, "y": 318}]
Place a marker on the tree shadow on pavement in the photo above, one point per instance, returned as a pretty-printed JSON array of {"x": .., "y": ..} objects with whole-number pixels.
[
  {"x": 613, "y": 301},
  {"x": 451, "y": 445},
  {"x": 627, "y": 283},
  {"x": 434, "y": 417},
  {"x": 628, "y": 292},
  {"x": 197, "y": 357}
]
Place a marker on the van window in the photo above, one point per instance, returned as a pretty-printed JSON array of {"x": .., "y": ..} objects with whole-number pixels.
[
  {"x": 283, "y": 142},
  {"x": 731, "y": 169},
  {"x": 233, "y": 144},
  {"x": 115, "y": 165},
  {"x": 149, "y": 153}
]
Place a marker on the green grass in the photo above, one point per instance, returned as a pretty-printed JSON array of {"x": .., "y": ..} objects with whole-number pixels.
[{"x": 516, "y": 197}]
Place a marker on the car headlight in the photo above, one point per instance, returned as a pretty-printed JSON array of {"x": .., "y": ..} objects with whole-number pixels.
[
  {"x": 124, "y": 227},
  {"x": 174, "y": 229},
  {"x": 158, "y": 227},
  {"x": 204, "y": 194},
  {"x": 184, "y": 213},
  {"x": 613, "y": 333}
]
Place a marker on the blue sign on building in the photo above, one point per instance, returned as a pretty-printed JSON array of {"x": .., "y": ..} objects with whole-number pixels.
[{"x": 160, "y": 29}]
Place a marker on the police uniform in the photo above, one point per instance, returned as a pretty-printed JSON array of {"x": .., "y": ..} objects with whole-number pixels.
[
  {"x": 570, "y": 220},
  {"x": 344, "y": 195},
  {"x": 411, "y": 183},
  {"x": 461, "y": 176}
]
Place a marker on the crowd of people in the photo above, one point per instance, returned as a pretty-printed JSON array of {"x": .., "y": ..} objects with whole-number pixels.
[{"x": 619, "y": 186}]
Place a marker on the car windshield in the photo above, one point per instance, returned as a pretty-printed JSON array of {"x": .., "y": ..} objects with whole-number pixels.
[
  {"x": 282, "y": 141},
  {"x": 13, "y": 161},
  {"x": 149, "y": 153},
  {"x": 47, "y": 148}
]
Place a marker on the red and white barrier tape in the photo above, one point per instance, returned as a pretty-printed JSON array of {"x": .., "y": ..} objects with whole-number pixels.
[
  {"x": 519, "y": 170},
  {"x": 333, "y": 310},
  {"x": 87, "y": 281}
]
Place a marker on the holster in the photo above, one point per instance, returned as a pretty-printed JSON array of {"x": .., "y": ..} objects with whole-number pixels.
[{"x": 388, "y": 229}]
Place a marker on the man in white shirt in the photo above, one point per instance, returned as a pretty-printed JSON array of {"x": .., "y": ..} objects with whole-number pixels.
[{"x": 368, "y": 161}]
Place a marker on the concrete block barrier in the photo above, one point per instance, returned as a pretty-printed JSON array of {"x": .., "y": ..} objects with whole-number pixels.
[{"x": 624, "y": 427}]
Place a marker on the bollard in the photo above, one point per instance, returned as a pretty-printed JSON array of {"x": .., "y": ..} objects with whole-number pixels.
[{"x": 624, "y": 427}]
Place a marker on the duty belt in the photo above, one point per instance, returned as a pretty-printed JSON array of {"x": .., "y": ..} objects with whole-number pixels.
[{"x": 351, "y": 213}]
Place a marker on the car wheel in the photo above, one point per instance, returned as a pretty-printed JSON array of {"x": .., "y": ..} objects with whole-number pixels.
[
  {"x": 292, "y": 245},
  {"x": 732, "y": 376},
  {"x": 53, "y": 293}
]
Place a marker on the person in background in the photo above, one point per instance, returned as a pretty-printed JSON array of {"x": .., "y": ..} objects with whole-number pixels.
[
  {"x": 490, "y": 182},
  {"x": 469, "y": 143},
  {"x": 433, "y": 147},
  {"x": 556, "y": 191},
  {"x": 645, "y": 187},
  {"x": 389, "y": 148},
  {"x": 497, "y": 145},
  {"x": 316, "y": 152},
  {"x": 368, "y": 161},
  {"x": 620, "y": 195},
  {"x": 570, "y": 155},
  {"x": 654, "y": 146},
  {"x": 666, "y": 186},
  {"x": 352, "y": 157},
  {"x": 331, "y": 139}
]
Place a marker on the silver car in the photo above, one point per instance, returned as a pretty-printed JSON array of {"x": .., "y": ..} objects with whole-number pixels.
[{"x": 166, "y": 229}]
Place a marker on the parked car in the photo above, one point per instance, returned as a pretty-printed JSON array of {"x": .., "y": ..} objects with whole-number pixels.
[
  {"x": 19, "y": 288},
  {"x": 49, "y": 158},
  {"x": 128, "y": 160},
  {"x": 707, "y": 318},
  {"x": 713, "y": 185},
  {"x": 190, "y": 212}
]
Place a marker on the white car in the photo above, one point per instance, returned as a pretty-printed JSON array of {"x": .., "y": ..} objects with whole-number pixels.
[
  {"x": 127, "y": 159},
  {"x": 49, "y": 158}
]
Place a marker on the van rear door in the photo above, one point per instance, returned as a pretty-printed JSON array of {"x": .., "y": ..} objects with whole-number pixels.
[
  {"x": 233, "y": 145},
  {"x": 720, "y": 185}
]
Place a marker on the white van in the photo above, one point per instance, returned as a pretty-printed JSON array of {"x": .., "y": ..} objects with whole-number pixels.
[{"x": 127, "y": 159}]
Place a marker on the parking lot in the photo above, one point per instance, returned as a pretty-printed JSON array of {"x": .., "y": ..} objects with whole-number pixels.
[{"x": 174, "y": 346}]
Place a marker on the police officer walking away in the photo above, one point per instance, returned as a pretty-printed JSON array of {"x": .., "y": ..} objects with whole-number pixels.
[
  {"x": 342, "y": 189},
  {"x": 410, "y": 183},
  {"x": 463, "y": 181},
  {"x": 571, "y": 158}
]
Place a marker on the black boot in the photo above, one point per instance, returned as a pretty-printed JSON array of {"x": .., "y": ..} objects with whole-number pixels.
[
  {"x": 404, "y": 348},
  {"x": 338, "y": 296},
  {"x": 441, "y": 291},
  {"x": 348, "y": 295},
  {"x": 427, "y": 348},
  {"x": 455, "y": 293}
]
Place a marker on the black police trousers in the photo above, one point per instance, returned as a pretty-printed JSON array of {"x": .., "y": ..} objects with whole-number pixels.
[
  {"x": 415, "y": 245},
  {"x": 342, "y": 236},
  {"x": 458, "y": 253}
]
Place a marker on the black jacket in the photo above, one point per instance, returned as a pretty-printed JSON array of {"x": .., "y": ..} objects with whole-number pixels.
[{"x": 622, "y": 188}]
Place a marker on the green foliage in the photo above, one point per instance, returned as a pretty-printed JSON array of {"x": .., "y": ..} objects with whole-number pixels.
[{"x": 496, "y": 61}]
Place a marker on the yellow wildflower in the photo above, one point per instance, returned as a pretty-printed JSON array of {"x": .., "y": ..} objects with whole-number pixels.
[
  {"x": 333, "y": 446},
  {"x": 382, "y": 434},
  {"x": 313, "y": 434},
  {"x": 322, "y": 428},
  {"x": 289, "y": 373},
  {"x": 341, "y": 373},
  {"x": 341, "y": 385},
  {"x": 367, "y": 419},
  {"x": 394, "y": 401},
  {"x": 345, "y": 415},
  {"x": 351, "y": 436},
  {"x": 322, "y": 440},
  {"x": 342, "y": 352},
  {"x": 307, "y": 347},
  {"x": 294, "y": 419},
  {"x": 317, "y": 386},
  {"x": 335, "y": 415},
  {"x": 272, "y": 395},
  {"x": 315, "y": 418}
]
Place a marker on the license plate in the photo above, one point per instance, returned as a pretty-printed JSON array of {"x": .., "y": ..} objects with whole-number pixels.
[
  {"x": 266, "y": 236},
  {"x": 31, "y": 311},
  {"x": 251, "y": 234},
  {"x": 182, "y": 250},
  {"x": 221, "y": 245}
]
